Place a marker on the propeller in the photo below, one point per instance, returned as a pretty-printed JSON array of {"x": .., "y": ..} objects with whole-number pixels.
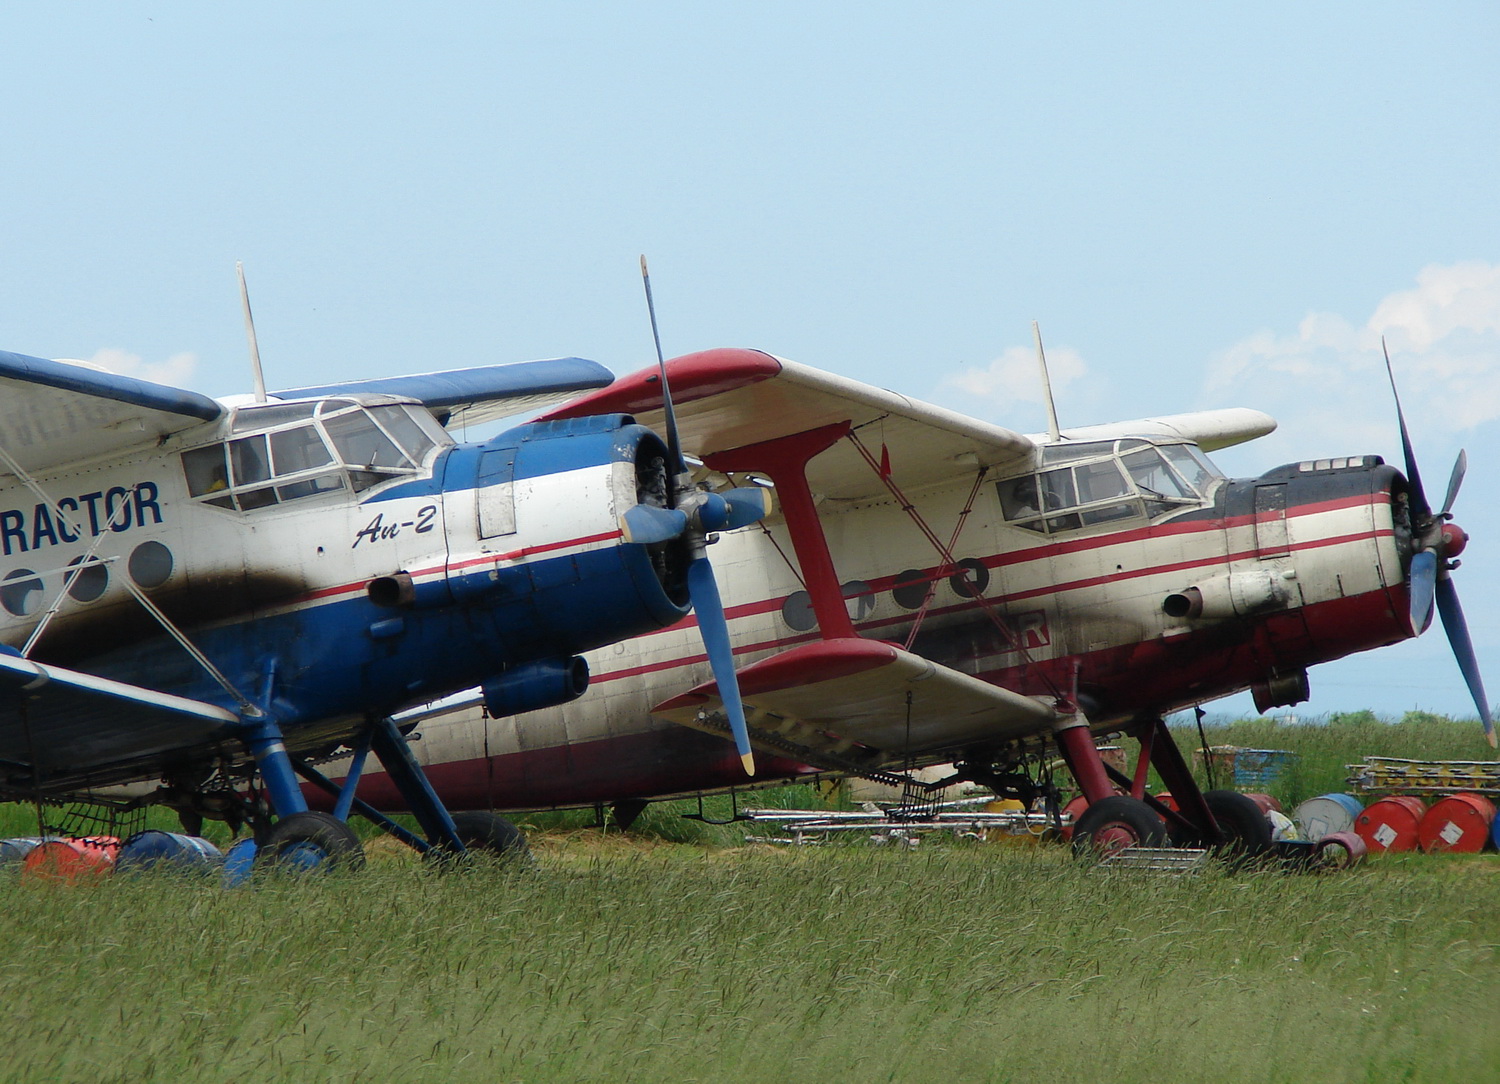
[
  {"x": 694, "y": 514},
  {"x": 1436, "y": 544}
]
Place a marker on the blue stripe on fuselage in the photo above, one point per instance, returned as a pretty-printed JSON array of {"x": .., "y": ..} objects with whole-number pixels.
[{"x": 329, "y": 661}]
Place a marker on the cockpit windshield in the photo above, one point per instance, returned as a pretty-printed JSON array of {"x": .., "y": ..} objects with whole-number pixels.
[
  {"x": 1083, "y": 485},
  {"x": 282, "y": 452}
]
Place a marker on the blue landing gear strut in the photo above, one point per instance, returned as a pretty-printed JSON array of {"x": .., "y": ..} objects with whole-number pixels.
[{"x": 300, "y": 831}]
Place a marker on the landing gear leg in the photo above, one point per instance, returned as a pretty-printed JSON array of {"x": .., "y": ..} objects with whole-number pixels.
[
  {"x": 1166, "y": 758},
  {"x": 300, "y": 839},
  {"x": 1076, "y": 744},
  {"x": 389, "y": 745}
]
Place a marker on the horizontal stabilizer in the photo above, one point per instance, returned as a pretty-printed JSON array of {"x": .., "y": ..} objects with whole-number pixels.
[
  {"x": 830, "y": 693},
  {"x": 482, "y": 394},
  {"x": 69, "y": 726}
]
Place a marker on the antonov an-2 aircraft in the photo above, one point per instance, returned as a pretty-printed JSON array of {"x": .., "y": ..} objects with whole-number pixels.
[
  {"x": 934, "y": 588},
  {"x": 217, "y": 595}
]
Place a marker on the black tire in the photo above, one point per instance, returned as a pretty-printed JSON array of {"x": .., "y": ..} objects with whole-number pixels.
[
  {"x": 1246, "y": 831},
  {"x": 311, "y": 840},
  {"x": 1116, "y": 822},
  {"x": 489, "y": 833}
]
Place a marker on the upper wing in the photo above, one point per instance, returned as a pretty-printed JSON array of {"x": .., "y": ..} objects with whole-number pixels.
[
  {"x": 482, "y": 394},
  {"x": 825, "y": 695},
  {"x": 60, "y": 728},
  {"x": 1209, "y": 429},
  {"x": 727, "y": 399},
  {"x": 53, "y": 413}
]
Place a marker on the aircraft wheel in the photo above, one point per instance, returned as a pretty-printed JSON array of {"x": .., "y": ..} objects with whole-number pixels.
[
  {"x": 1114, "y": 823},
  {"x": 1242, "y": 821},
  {"x": 490, "y": 833},
  {"x": 306, "y": 841}
]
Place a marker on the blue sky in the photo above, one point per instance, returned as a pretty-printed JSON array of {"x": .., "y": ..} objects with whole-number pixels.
[{"x": 1202, "y": 208}]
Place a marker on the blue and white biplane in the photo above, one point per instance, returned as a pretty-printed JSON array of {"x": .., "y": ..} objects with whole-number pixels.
[{"x": 211, "y": 596}]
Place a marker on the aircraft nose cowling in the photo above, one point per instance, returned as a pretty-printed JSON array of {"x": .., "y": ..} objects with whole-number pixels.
[{"x": 535, "y": 539}]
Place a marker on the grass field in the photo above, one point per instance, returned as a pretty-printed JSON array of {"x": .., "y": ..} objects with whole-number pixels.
[
  {"x": 632, "y": 958},
  {"x": 643, "y": 962}
]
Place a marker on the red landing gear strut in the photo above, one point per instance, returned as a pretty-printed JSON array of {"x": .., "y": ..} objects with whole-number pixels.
[{"x": 1121, "y": 813}]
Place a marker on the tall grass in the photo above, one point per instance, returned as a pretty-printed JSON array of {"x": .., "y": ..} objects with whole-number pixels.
[
  {"x": 1326, "y": 748},
  {"x": 678, "y": 964}
]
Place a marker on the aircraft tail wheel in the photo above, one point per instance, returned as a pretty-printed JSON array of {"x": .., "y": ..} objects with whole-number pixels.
[
  {"x": 1247, "y": 831},
  {"x": 489, "y": 833},
  {"x": 1114, "y": 823},
  {"x": 307, "y": 841}
]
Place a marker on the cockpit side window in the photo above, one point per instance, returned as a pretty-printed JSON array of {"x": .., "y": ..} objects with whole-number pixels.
[
  {"x": 205, "y": 470},
  {"x": 1192, "y": 465},
  {"x": 362, "y": 443},
  {"x": 304, "y": 449},
  {"x": 404, "y": 428},
  {"x": 1105, "y": 482}
]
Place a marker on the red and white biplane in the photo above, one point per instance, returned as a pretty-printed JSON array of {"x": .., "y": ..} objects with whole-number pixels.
[{"x": 934, "y": 588}]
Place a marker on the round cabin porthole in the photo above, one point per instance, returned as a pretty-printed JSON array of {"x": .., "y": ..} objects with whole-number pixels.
[
  {"x": 971, "y": 580},
  {"x": 21, "y": 592},
  {"x": 909, "y": 589},
  {"x": 797, "y": 612},
  {"x": 150, "y": 564},
  {"x": 88, "y": 583}
]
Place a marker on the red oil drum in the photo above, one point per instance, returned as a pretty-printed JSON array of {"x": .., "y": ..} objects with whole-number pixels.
[
  {"x": 1070, "y": 813},
  {"x": 1459, "y": 822},
  {"x": 1390, "y": 824},
  {"x": 69, "y": 860}
]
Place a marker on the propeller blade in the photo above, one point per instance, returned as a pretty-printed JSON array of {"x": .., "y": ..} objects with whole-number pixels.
[
  {"x": 1463, "y": 650},
  {"x": 645, "y": 523},
  {"x": 714, "y": 628},
  {"x": 734, "y": 508},
  {"x": 1423, "y": 581},
  {"x": 1456, "y": 479},
  {"x": 747, "y": 505},
  {"x": 674, "y": 445},
  {"x": 1421, "y": 511}
]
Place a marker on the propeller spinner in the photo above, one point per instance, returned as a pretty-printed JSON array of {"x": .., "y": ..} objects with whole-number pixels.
[
  {"x": 1436, "y": 543},
  {"x": 693, "y": 514}
]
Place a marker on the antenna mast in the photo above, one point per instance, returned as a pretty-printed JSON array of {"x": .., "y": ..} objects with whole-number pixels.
[
  {"x": 1041, "y": 357},
  {"x": 260, "y": 379}
]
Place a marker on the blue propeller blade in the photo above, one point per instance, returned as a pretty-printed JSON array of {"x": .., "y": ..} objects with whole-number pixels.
[
  {"x": 1463, "y": 650},
  {"x": 645, "y": 523},
  {"x": 734, "y": 508},
  {"x": 747, "y": 505},
  {"x": 1460, "y": 466},
  {"x": 1421, "y": 511},
  {"x": 1423, "y": 580},
  {"x": 714, "y": 629}
]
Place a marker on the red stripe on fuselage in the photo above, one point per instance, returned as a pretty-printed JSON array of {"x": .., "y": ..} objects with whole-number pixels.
[{"x": 488, "y": 559}]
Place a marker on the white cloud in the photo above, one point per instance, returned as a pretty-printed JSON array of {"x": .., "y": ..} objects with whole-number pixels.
[
  {"x": 1326, "y": 381},
  {"x": 176, "y": 371},
  {"x": 1014, "y": 376}
]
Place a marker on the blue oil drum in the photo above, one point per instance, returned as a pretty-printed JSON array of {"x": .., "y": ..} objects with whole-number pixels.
[
  {"x": 239, "y": 862},
  {"x": 16, "y": 850},
  {"x": 154, "y": 849},
  {"x": 1327, "y": 814}
]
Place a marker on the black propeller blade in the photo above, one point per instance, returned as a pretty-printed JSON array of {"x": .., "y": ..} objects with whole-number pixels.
[
  {"x": 1430, "y": 576},
  {"x": 694, "y": 513}
]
